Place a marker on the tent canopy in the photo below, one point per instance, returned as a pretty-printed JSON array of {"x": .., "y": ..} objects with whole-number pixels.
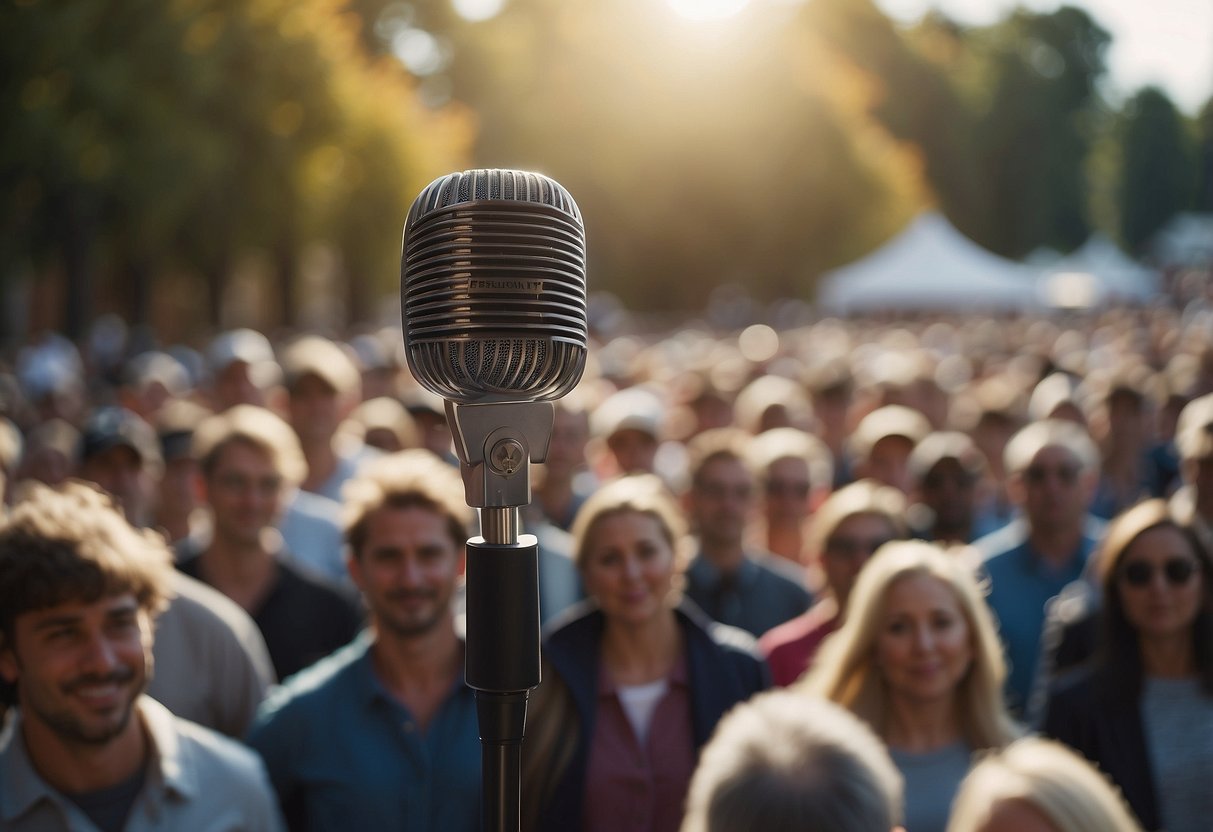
[
  {"x": 1095, "y": 273},
  {"x": 928, "y": 266}
]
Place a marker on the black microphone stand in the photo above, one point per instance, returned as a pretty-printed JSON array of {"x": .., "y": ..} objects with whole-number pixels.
[{"x": 496, "y": 443}]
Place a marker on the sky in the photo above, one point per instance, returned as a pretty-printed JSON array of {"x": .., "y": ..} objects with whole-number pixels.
[{"x": 1168, "y": 43}]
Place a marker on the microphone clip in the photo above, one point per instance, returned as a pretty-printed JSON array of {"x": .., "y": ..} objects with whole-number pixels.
[{"x": 496, "y": 443}]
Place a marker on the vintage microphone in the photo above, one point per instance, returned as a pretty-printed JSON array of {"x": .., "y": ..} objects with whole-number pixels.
[{"x": 492, "y": 291}]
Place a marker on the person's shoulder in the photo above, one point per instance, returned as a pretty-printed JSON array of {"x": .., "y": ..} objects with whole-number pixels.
[
  {"x": 204, "y": 755},
  {"x": 319, "y": 686},
  {"x": 997, "y": 546},
  {"x": 200, "y": 604},
  {"x": 301, "y": 581},
  {"x": 1074, "y": 689},
  {"x": 722, "y": 637},
  {"x": 805, "y": 627},
  {"x": 579, "y": 621},
  {"x": 310, "y": 507},
  {"x": 780, "y": 571}
]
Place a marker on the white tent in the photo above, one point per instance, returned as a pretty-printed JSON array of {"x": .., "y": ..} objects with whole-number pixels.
[
  {"x": 1187, "y": 240},
  {"x": 928, "y": 266},
  {"x": 1098, "y": 272}
]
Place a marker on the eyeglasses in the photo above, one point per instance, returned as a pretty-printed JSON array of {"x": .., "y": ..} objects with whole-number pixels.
[
  {"x": 851, "y": 547},
  {"x": 1178, "y": 571}
]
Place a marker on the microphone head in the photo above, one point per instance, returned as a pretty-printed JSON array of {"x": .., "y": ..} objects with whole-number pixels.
[{"x": 492, "y": 288}]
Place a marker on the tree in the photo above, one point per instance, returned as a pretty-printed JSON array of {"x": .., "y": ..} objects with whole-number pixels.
[
  {"x": 1158, "y": 174},
  {"x": 1032, "y": 80},
  {"x": 700, "y": 156},
  {"x": 149, "y": 136}
]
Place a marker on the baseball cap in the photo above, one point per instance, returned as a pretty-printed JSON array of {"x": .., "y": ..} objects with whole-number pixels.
[{"x": 112, "y": 427}]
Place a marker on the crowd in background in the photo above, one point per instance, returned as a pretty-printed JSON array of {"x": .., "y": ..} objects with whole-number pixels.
[{"x": 962, "y": 531}]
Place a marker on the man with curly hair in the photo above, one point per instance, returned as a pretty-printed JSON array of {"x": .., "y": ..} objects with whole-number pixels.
[{"x": 86, "y": 749}]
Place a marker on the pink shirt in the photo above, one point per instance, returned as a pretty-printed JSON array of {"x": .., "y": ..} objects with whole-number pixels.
[
  {"x": 789, "y": 648},
  {"x": 640, "y": 788}
]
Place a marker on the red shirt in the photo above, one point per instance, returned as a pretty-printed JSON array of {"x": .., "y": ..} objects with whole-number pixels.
[
  {"x": 789, "y": 648},
  {"x": 640, "y": 788}
]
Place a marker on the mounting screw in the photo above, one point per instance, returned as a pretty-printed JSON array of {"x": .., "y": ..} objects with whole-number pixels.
[{"x": 507, "y": 457}]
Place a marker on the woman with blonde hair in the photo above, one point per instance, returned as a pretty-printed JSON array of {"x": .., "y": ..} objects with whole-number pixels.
[
  {"x": 635, "y": 679},
  {"x": 919, "y": 660},
  {"x": 1037, "y": 785}
]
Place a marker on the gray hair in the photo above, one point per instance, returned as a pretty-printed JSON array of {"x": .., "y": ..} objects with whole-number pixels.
[{"x": 788, "y": 761}]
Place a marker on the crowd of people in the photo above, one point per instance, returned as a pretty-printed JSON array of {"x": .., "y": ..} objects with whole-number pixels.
[{"x": 947, "y": 575}]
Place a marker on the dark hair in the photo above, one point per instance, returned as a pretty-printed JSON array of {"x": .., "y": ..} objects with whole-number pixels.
[
  {"x": 1120, "y": 654},
  {"x": 71, "y": 543}
]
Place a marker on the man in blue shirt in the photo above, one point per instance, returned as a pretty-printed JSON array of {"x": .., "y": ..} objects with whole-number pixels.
[
  {"x": 1053, "y": 467},
  {"x": 734, "y": 584},
  {"x": 383, "y": 733}
]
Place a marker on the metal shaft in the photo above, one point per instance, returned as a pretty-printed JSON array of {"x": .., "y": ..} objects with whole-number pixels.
[{"x": 500, "y": 526}]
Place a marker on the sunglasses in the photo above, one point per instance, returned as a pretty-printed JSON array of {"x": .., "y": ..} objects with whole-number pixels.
[{"x": 1178, "y": 571}]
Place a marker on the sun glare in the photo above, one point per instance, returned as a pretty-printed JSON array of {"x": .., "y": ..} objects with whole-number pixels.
[{"x": 707, "y": 9}]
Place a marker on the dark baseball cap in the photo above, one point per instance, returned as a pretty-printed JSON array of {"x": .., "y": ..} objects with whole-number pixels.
[{"x": 112, "y": 427}]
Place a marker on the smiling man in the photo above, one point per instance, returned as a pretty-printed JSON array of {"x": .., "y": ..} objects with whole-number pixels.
[
  {"x": 383, "y": 734},
  {"x": 79, "y": 588}
]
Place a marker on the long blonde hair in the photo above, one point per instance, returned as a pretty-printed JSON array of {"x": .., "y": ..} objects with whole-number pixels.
[
  {"x": 1047, "y": 776},
  {"x": 845, "y": 670}
]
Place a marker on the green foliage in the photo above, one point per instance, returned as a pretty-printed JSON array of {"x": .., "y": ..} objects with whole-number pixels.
[
  {"x": 1203, "y": 126},
  {"x": 1157, "y": 175},
  {"x": 182, "y": 133},
  {"x": 1033, "y": 130},
  {"x": 699, "y": 155}
]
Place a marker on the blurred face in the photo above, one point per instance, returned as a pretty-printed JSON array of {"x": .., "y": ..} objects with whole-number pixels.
[
  {"x": 315, "y": 409},
  {"x": 245, "y": 493},
  {"x": 79, "y": 667},
  {"x": 407, "y": 570},
  {"x": 949, "y": 491},
  {"x": 435, "y": 432},
  {"x": 786, "y": 491},
  {"x": 628, "y": 567},
  {"x": 924, "y": 648},
  {"x": 887, "y": 462},
  {"x": 1161, "y": 584},
  {"x": 120, "y": 471},
  {"x": 566, "y": 451},
  {"x": 1200, "y": 472},
  {"x": 634, "y": 450},
  {"x": 1016, "y": 816},
  {"x": 721, "y": 499},
  {"x": 1055, "y": 491},
  {"x": 848, "y": 549},
  {"x": 1127, "y": 418},
  {"x": 991, "y": 436},
  {"x": 234, "y": 385}
]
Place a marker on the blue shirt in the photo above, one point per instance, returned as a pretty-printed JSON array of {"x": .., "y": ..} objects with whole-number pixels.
[
  {"x": 764, "y": 592},
  {"x": 343, "y": 754},
  {"x": 1021, "y": 585}
]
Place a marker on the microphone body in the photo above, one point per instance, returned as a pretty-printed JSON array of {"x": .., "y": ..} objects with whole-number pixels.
[
  {"x": 493, "y": 288},
  {"x": 493, "y": 303}
]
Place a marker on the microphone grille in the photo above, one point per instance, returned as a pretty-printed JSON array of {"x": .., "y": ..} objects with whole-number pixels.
[{"x": 493, "y": 293}]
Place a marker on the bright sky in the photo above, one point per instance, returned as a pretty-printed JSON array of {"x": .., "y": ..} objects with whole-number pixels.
[{"x": 1164, "y": 42}]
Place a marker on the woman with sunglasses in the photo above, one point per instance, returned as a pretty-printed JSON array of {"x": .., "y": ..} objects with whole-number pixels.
[{"x": 1143, "y": 709}]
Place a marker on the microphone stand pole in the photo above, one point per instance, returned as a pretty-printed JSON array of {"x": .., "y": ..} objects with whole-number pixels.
[{"x": 496, "y": 443}]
